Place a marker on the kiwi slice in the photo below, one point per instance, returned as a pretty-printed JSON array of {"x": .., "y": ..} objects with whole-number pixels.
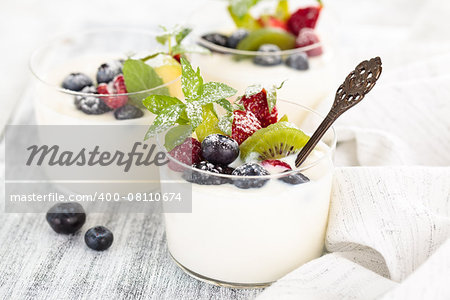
[
  {"x": 210, "y": 123},
  {"x": 275, "y": 141},
  {"x": 284, "y": 118},
  {"x": 258, "y": 37}
]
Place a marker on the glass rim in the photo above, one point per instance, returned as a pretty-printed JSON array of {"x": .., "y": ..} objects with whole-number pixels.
[
  {"x": 33, "y": 68},
  {"x": 270, "y": 176}
]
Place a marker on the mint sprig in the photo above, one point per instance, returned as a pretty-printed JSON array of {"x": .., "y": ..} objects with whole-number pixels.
[
  {"x": 198, "y": 95},
  {"x": 173, "y": 38}
]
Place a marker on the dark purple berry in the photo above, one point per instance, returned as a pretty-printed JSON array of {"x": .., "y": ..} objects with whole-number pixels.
[
  {"x": 90, "y": 104},
  {"x": 268, "y": 60},
  {"x": 216, "y": 38},
  {"x": 250, "y": 169},
  {"x": 66, "y": 218},
  {"x": 76, "y": 82},
  {"x": 128, "y": 111},
  {"x": 203, "y": 178},
  {"x": 219, "y": 149},
  {"x": 294, "y": 179},
  {"x": 298, "y": 61},
  {"x": 236, "y": 37},
  {"x": 99, "y": 238},
  {"x": 107, "y": 71}
]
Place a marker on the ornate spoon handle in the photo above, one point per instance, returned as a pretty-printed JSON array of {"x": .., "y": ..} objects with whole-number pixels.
[{"x": 356, "y": 85}]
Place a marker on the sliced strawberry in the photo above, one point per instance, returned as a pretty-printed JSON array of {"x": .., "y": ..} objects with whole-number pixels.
[
  {"x": 244, "y": 125},
  {"x": 258, "y": 105},
  {"x": 308, "y": 37},
  {"x": 275, "y": 166},
  {"x": 304, "y": 18},
  {"x": 117, "y": 86},
  {"x": 271, "y": 21},
  {"x": 189, "y": 153}
]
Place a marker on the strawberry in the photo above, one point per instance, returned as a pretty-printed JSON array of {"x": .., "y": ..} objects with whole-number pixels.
[
  {"x": 307, "y": 37},
  {"x": 117, "y": 86},
  {"x": 275, "y": 166},
  {"x": 177, "y": 57},
  {"x": 271, "y": 21},
  {"x": 304, "y": 18},
  {"x": 188, "y": 152},
  {"x": 258, "y": 105},
  {"x": 244, "y": 125}
]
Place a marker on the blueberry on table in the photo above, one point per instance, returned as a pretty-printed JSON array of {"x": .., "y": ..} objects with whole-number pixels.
[
  {"x": 219, "y": 149},
  {"x": 90, "y": 104},
  {"x": 76, "y": 82},
  {"x": 294, "y": 179},
  {"x": 268, "y": 60},
  {"x": 216, "y": 38},
  {"x": 298, "y": 61},
  {"x": 250, "y": 169},
  {"x": 107, "y": 71},
  {"x": 236, "y": 37},
  {"x": 66, "y": 218},
  {"x": 99, "y": 238},
  {"x": 204, "y": 178},
  {"x": 128, "y": 111}
]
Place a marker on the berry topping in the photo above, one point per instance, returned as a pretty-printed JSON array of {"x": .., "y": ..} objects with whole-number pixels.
[
  {"x": 268, "y": 60},
  {"x": 128, "y": 111},
  {"x": 203, "y": 178},
  {"x": 275, "y": 166},
  {"x": 308, "y": 37},
  {"x": 250, "y": 169},
  {"x": 220, "y": 149},
  {"x": 236, "y": 37},
  {"x": 76, "y": 82},
  {"x": 258, "y": 105},
  {"x": 294, "y": 179},
  {"x": 304, "y": 18},
  {"x": 298, "y": 61},
  {"x": 99, "y": 238},
  {"x": 189, "y": 153},
  {"x": 244, "y": 125},
  {"x": 66, "y": 218},
  {"x": 271, "y": 21},
  {"x": 216, "y": 38},
  {"x": 117, "y": 86},
  {"x": 107, "y": 71},
  {"x": 91, "y": 105}
]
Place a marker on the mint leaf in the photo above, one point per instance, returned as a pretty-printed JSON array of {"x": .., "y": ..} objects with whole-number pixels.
[
  {"x": 226, "y": 123},
  {"x": 181, "y": 49},
  {"x": 139, "y": 77},
  {"x": 156, "y": 103},
  {"x": 215, "y": 91},
  {"x": 241, "y": 7},
  {"x": 246, "y": 21},
  {"x": 166, "y": 119},
  {"x": 191, "y": 81},
  {"x": 181, "y": 34},
  {"x": 238, "y": 106},
  {"x": 194, "y": 113},
  {"x": 225, "y": 104},
  {"x": 176, "y": 135}
]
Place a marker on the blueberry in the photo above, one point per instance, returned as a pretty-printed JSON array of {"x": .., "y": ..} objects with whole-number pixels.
[
  {"x": 66, "y": 218},
  {"x": 298, "y": 61},
  {"x": 220, "y": 149},
  {"x": 99, "y": 238},
  {"x": 216, "y": 38},
  {"x": 91, "y": 105},
  {"x": 128, "y": 111},
  {"x": 268, "y": 60},
  {"x": 236, "y": 37},
  {"x": 250, "y": 169},
  {"x": 204, "y": 178},
  {"x": 294, "y": 179},
  {"x": 76, "y": 82},
  {"x": 107, "y": 71}
]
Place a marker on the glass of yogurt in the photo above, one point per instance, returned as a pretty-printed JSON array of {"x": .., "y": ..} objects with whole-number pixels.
[
  {"x": 308, "y": 80},
  {"x": 241, "y": 236},
  {"x": 86, "y": 52}
]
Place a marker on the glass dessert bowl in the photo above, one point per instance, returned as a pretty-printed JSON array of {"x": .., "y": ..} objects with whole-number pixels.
[
  {"x": 270, "y": 51},
  {"x": 82, "y": 78},
  {"x": 255, "y": 215}
]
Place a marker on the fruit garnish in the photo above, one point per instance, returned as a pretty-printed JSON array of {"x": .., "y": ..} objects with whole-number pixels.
[
  {"x": 275, "y": 141},
  {"x": 294, "y": 179},
  {"x": 236, "y": 37},
  {"x": 117, "y": 86},
  {"x": 205, "y": 179},
  {"x": 168, "y": 69},
  {"x": 261, "y": 101},
  {"x": 268, "y": 60},
  {"x": 304, "y": 18},
  {"x": 298, "y": 61},
  {"x": 216, "y": 38},
  {"x": 275, "y": 166},
  {"x": 308, "y": 37},
  {"x": 99, "y": 238},
  {"x": 171, "y": 110},
  {"x": 127, "y": 112},
  {"x": 250, "y": 169},
  {"x": 66, "y": 218},
  {"x": 262, "y": 36},
  {"x": 189, "y": 153},
  {"x": 240, "y": 13},
  {"x": 76, "y": 82},
  {"x": 107, "y": 71},
  {"x": 219, "y": 149},
  {"x": 209, "y": 125},
  {"x": 271, "y": 21},
  {"x": 244, "y": 124},
  {"x": 91, "y": 104},
  {"x": 282, "y": 10},
  {"x": 284, "y": 118}
]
